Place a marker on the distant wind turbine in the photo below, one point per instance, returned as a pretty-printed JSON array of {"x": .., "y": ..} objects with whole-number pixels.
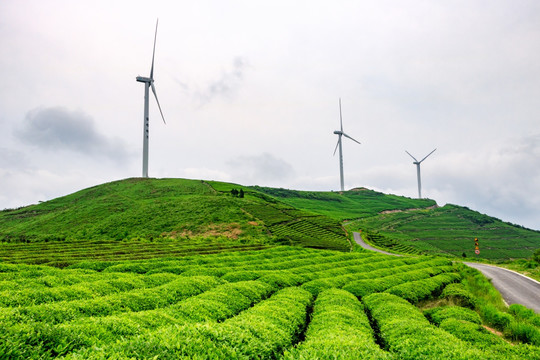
[
  {"x": 148, "y": 83},
  {"x": 417, "y": 163},
  {"x": 341, "y": 133}
]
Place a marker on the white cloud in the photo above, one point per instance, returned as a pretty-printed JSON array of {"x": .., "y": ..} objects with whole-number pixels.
[{"x": 56, "y": 128}]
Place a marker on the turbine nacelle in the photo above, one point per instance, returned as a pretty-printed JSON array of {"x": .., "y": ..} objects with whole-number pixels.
[{"x": 144, "y": 79}]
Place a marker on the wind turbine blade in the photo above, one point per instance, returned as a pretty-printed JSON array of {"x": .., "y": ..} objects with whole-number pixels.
[
  {"x": 154, "y": 53},
  {"x": 155, "y": 95},
  {"x": 411, "y": 156},
  {"x": 337, "y": 146},
  {"x": 347, "y": 136},
  {"x": 427, "y": 155},
  {"x": 340, "y": 117}
]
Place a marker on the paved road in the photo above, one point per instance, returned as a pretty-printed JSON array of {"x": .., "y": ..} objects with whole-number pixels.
[
  {"x": 514, "y": 288},
  {"x": 358, "y": 239}
]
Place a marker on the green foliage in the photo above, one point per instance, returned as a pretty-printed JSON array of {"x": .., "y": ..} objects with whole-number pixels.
[
  {"x": 495, "y": 317},
  {"x": 517, "y": 322},
  {"x": 147, "y": 268}
]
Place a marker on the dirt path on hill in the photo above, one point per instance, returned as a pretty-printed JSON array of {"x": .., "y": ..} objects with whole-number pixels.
[{"x": 408, "y": 210}]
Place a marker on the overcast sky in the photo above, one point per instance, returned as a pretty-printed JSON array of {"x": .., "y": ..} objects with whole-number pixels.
[{"x": 250, "y": 90}]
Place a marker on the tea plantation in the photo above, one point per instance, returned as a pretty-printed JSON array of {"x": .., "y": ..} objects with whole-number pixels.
[
  {"x": 185, "y": 269},
  {"x": 278, "y": 302}
]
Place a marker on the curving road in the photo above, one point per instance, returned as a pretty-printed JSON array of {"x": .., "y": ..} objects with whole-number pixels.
[{"x": 514, "y": 287}]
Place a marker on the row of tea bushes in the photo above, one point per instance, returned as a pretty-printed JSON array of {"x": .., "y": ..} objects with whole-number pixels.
[
  {"x": 262, "y": 332},
  {"x": 339, "y": 329}
]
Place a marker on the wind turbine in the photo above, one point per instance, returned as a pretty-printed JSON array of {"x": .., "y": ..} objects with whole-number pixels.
[
  {"x": 148, "y": 83},
  {"x": 417, "y": 163},
  {"x": 341, "y": 133}
]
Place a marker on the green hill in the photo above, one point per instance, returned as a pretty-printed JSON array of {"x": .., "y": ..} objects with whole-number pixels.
[
  {"x": 417, "y": 225},
  {"x": 168, "y": 210},
  {"x": 111, "y": 215}
]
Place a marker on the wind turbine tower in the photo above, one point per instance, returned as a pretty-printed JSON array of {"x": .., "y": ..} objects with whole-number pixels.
[
  {"x": 148, "y": 83},
  {"x": 340, "y": 133},
  {"x": 417, "y": 163}
]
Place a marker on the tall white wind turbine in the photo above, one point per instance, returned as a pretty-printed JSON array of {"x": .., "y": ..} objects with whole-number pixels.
[
  {"x": 340, "y": 133},
  {"x": 417, "y": 163},
  {"x": 148, "y": 83}
]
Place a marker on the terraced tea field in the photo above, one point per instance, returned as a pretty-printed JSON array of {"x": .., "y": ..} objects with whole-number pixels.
[
  {"x": 451, "y": 230},
  {"x": 277, "y": 302}
]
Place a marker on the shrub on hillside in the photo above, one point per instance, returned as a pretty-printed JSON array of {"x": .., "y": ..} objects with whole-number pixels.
[
  {"x": 495, "y": 317},
  {"x": 471, "y": 332},
  {"x": 536, "y": 256},
  {"x": 439, "y": 314},
  {"x": 524, "y": 332},
  {"x": 520, "y": 312},
  {"x": 459, "y": 295}
]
